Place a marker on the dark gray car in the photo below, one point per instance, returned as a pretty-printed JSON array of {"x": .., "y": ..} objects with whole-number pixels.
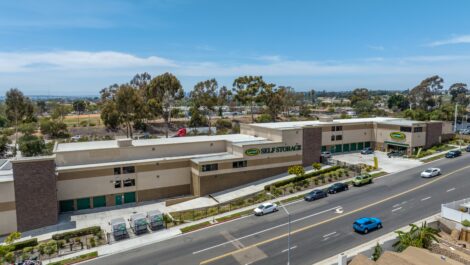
[{"x": 315, "y": 195}]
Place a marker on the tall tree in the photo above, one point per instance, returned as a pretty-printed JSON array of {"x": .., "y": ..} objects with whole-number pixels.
[
  {"x": 204, "y": 95},
  {"x": 162, "y": 92},
  {"x": 129, "y": 105},
  {"x": 290, "y": 98},
  {"x": 459, "y": 91},
  {"x": 79, "y": 106},
  {"x": 421, "y": 96},
  {"x": 273, "y": 98},
  {"x": 17, "y": 110},
  {"x": 359, "y": 94},
  {"x": 223, "y": 98},
  {"x": 397, "y": 102},
  {"x": 246, "y": 89}
]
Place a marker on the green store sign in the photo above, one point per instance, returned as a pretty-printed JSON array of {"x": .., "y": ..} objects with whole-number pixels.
[
  {"x": 398, "y": 135},
  {"x": 271, "y": 150}
]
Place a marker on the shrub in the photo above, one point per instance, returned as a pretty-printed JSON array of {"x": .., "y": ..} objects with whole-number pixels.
[
  {"x": 264, "y": 118},
  {"x": 94, "y": 230},
  {"x": 316, "y": 166},
  {"x": 10, "y": 257},
  {"x": 305, "y": 176},
  {"x": 223, "y": 124},
  {"x": 466, "y": 223},
  {"x": 25, "y": 243},
  {"x": 28, "y": 249},
  {"x": 92, "y": 242}
]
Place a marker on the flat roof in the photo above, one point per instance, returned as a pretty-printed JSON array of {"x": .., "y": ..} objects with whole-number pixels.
[
  {"x": 83, "y": 146},
  {"x": 300, "y": 124}
]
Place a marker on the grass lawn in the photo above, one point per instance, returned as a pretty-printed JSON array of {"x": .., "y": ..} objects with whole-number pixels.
[{"x": 195, "y": 227}]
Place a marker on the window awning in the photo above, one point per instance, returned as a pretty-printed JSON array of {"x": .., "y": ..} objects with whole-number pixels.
[{"x": 396, "y": 144}]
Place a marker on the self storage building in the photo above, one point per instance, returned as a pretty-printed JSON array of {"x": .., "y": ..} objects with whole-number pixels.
[{"x": 87, "y": 175}]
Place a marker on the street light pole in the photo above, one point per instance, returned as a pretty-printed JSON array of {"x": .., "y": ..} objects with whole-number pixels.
[{"x": 288, "y": 227}]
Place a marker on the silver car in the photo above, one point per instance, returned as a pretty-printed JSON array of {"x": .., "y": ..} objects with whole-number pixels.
[
  {"x": 265, "y": 208},
  {"x": 430, "y": 172}
]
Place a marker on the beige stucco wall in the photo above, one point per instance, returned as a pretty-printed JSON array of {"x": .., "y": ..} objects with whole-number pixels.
[
  {"x": 8, "y": 214},
  {"x": 270, "y": 134},
  {"x": 95, "y": 186},
  {"x": 419, "y": 139},
  {"x": 349, "y": 136},
  {"x": 447, "y": 127},
  {"x": 7, "y": 222},
  {"x": 384, "y": 135},
  {"x": 139, "y": 152}
]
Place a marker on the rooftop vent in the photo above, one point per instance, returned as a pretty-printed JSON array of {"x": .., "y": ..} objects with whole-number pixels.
[{"x": 124, "y": 142}]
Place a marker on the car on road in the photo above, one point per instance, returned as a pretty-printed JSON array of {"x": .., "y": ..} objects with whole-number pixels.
[
  {"x": 464, "y": 131},
  {"x": 362, "y": 180},
  {"x": 338, "y": 187},
  {"x": 326, "y": 154},
  {"x": 467, "y": 148},
  {"x": 315, "y": 195},
  {"x": 431, "y": 172},
  {"x": 367, "y": 224},
  {"x": 394, "y": 154},
  {"x": 453, "y": 154},
  {"x": 265, "y": 208},
  {"x": 367, "y": 151},
  {"x": 75, "y": 138}
]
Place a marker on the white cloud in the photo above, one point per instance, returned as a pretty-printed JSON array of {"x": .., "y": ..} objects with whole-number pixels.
[
  {"x": 376, "y": 47},
  {"x": 463, "y": 39},
  {"x": 269, "y": 58},
  {"x": 70, "y": 60}
]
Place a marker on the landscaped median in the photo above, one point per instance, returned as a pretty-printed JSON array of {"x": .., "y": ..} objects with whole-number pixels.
[{"x": 77, "y": 259}]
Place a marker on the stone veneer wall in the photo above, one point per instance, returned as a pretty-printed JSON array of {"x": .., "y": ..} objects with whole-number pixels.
[
  {"x": 35, "y": 193},
  {"x": 311, "y": 145},
  {"x": 433, "y": 134}
]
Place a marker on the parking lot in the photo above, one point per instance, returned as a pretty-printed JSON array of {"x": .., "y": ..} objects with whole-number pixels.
[{"x": 386, "y": 164}]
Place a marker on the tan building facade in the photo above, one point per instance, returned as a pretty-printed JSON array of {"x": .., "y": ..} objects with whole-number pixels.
[{"x": 88, "y": 175}]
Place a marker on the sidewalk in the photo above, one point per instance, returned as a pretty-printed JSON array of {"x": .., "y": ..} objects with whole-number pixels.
[{"x": 441, "y": 153}]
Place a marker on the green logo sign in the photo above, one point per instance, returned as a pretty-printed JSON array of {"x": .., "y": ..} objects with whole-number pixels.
[
  {"x": 270, "y": 150},
  {"x": 252, "y": 152},
  {"x": 398, "y": 135}
]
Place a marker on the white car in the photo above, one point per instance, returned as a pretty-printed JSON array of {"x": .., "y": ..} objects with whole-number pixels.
[
  {"x": 430, "y": 172},
  {"x": 75, "y": 138},
  {"x": 265, "y": 208}
]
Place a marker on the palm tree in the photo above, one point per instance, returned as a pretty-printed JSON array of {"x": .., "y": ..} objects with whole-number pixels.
[{"x": 421, "y": 237}]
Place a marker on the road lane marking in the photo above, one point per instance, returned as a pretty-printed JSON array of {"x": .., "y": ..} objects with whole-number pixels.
[
  {"x": 330, "y": 234},
  {"x": 265, "y": 230},
  {"x": 427, "y": 198},
  {"x": 449, "y": 190},
  {"x": 285, "y": 250},
  {"x": 396, "y": 209},
  {"x": 334, "y": 218}
]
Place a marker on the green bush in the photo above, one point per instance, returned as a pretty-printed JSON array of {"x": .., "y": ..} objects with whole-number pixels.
[
  {"x": 94, "y": 230},
  {"x": 264, "y": 118},
  {"x": 23, "y": 244},
  {"x": 304, "y": 177},
  {"x": 466, "y": 223}
]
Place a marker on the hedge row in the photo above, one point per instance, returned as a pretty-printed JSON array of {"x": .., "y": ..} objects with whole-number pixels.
[
  {"x": 300, "y": 178},
  {"x": 93, "y": 230},
  {"x": 26, "y": 243}
]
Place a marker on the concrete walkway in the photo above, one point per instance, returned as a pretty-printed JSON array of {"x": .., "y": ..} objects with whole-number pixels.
[{"x": 441, "y": 153}]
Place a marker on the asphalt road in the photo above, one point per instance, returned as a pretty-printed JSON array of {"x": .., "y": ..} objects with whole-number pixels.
[{"x": 319, "y": 230}]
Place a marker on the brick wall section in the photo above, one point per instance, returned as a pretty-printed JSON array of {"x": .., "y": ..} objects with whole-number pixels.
[
  {"x": 433, "y": 134},
  {"x": 215, "y": 183},
  {"x": 311, "y": 145},
  {"x": 35, "y": 193}
]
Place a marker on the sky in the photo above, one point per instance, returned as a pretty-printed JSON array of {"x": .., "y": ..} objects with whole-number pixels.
[{"x": 79, "y": 47}]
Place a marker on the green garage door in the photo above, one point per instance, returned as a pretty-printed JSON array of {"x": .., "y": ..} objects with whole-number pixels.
[
  {"x": 83, "y": 203},
  {"x": 338, "y": 148},
  {"x": 345, "y": 147},
  {"x": 353, "y": 147},
  {"x": 360, "y": 146},
  {"x": 129, "y": 197},
  {"x": 367, "y": 144},
  {"x": 66, "y": 206},
  {"x": 99, "y": 201}
]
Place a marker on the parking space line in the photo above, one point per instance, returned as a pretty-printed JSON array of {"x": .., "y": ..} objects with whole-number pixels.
[
  {"x": 330, "y": 234},
  {"x": 427, "y": 198},
  {"x": 396, "y": 209},
  {"x": 449, "y": 190}
]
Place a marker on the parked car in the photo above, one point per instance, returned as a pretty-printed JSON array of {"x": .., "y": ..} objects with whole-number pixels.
[
  {"x": 394, "y": 154},
  {"x": 366, "y": 224},
  {"x": 326, "y": 154},
  {"x": 431, "y": 172},
  {"x": 265, "y": 208},
  {"x": 367, "y": 151},
  {"x": 464, "y": 131},
  {"x": 338, "y": 187},
  {"x": 361, "y": 180},
  {"x": 315, "y": 195},
  {"x": 467, "y": 148},
  {"x": 75, "y": 138},
  {"x": 453, "y": 154}
]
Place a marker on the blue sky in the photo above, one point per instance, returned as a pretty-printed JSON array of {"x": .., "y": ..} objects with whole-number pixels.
[{"x": 79, "y": 47}]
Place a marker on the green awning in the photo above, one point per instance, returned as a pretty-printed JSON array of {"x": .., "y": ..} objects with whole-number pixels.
[{"x": 397, "y": 144}]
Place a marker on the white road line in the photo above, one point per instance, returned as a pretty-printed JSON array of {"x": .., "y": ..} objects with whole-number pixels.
[
  {"x": 427, "y": 198},
  {"x": 330, "y": 234},
  {"x": 449, "y": 190},
  {"x": 294, "y": 247},
  {"x": 396, "y": 209},
  {"x": 265, "y": 230}
]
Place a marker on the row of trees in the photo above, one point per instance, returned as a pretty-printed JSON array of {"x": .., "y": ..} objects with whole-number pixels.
[{"x": 144, "y": 98}]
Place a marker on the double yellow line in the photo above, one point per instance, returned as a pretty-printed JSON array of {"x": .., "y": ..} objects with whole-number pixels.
[{"x": 331, "y": 219}]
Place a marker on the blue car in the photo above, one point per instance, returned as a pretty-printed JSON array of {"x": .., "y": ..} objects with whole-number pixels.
[{"x": 366, "y": 224}]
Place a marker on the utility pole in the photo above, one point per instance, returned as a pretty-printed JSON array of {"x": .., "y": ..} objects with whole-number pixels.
[{"x": 455, "y": 118}]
